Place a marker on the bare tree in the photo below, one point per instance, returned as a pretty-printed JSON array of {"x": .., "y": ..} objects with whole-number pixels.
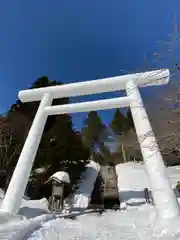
[
  {"x": 165, "y": 108},
  {"x": 165, "y": 119},
  {"x": 8, "y": 147}
]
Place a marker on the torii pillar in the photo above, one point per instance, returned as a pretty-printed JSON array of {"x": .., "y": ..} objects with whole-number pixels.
[{"x": 162, "y": 192}]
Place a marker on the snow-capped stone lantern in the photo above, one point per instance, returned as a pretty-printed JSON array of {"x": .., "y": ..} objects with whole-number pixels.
[{"x": 58, "y": 180}]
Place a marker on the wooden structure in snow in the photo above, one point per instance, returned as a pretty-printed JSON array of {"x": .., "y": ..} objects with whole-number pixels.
[{"x": 58, "y": 180}]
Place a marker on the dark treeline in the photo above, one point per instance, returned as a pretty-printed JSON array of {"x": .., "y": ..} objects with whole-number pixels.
[{"x": 61, "y": 146}]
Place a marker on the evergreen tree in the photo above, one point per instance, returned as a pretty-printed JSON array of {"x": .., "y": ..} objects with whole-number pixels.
[
  {"x": 29, "y": 109},
  {"x": 61, "y": 147},
  {"x": 119, "y": 123},
  {"x": 92, "y": 129},
  {"x": 105, "y": 152},
  {"x": 130, "y": 118}
]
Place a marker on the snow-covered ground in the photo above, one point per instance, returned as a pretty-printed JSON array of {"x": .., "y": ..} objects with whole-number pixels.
[
  {"x": 110, "y": 225},
  {"x": 133, "y": 175},
  {"x": 132, "y": 180},
  {"x": 138, "y": 222},
  {"x": 83, "y": 194}
]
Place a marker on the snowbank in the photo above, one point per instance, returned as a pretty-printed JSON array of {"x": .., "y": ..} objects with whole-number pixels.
[
  {"x": 86, "y": 186},
  {"x": 173, "y": 174},
  {"x": 132, "y": 176},
  {"x": 33, "y": 208},
  {"x": 132, "y": 180}
]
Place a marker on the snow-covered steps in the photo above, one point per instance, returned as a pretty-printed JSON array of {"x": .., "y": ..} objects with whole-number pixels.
[
  {"x": 110, "y": 181},
  {"x": 105, "y": 193},
  {"x": 82, "y": 196}
]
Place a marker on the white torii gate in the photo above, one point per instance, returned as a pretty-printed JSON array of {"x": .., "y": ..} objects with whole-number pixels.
[{"x": 164, "y": 198}]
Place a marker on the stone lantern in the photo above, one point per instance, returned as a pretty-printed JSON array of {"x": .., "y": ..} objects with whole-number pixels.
[
  {"x": 58, "y": 181},
  {"x": 57, "y": 196}
]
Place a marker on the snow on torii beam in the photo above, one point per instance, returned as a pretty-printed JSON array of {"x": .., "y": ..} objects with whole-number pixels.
[
  {"x": 111, "y": 84},
  {"x": 163, "y": 195}
]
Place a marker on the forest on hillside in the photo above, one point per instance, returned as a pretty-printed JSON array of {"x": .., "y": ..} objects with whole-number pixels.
[{"x": 64, "y": 148}]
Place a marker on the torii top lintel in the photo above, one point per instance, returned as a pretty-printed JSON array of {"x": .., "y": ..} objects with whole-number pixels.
[{"x": 111, "y": 84}]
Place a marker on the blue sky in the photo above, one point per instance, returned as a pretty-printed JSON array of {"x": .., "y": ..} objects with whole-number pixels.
[{"x": 71, "y": 41}]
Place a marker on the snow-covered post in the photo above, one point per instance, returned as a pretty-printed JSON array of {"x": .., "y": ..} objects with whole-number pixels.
[
  {"x": 163, "y": 195},
  {"x": 19, "y": 180}
]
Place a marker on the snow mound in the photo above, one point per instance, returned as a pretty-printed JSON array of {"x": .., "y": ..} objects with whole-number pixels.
[
  {"x": 33, "y": 208},
  {"x": 132, "y": 180},
  {"x": 41, "y": 203},
  {"x": 83, "y": 194},
  {"x": 132, "y": 176},
  {"x": 30, "y": 208}
]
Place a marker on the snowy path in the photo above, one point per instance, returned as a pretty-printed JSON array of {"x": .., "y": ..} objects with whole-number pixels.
[
  {"x": 111, "y": 225},
  {"x": 134, "y": 224},
  {"x": 83, "y": 194}
]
